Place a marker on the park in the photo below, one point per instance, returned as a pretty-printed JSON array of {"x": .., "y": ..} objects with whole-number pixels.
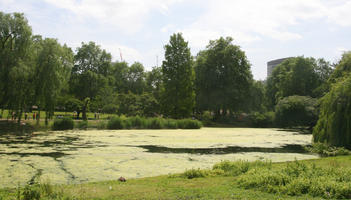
[{"x": 77, "y": 125}]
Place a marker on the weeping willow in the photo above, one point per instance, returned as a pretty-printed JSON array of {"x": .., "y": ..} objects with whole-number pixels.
[{"x": 334, "y": 124}]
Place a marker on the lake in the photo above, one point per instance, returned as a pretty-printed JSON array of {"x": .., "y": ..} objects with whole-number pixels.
[{"x": 68, "y": 157}]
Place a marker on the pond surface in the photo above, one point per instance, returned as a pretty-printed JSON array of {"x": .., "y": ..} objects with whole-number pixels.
[{"x": 83, "y": 156}]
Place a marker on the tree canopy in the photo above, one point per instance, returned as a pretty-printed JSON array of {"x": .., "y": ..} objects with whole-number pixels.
[
  {"x": 223, "y": 77},
  {"x": 178, "y": 96}
]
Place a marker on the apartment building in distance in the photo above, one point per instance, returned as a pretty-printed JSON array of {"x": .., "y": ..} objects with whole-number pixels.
[{"x": 271, "y": 64}]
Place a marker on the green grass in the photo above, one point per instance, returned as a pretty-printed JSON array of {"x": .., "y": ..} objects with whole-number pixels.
[
  {"x": 227, "y": 180},
  {"x": 90, "y": 115}
]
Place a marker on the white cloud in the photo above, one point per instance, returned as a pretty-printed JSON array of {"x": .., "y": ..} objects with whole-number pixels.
[
  {"x": 340, "y": 14},
  {"x": 247, "y": 20},
  {"x": 127, "y": 15}
]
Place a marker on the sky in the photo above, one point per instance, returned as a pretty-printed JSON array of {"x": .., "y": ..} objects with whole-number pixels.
[{"x": 139, "y": 29}]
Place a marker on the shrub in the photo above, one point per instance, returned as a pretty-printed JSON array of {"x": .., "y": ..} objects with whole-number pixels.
[
  {"x": 296, "y": 111},
  {"x": 189, "y": 124},
  {"x": 137, "y": 122},
  {"x": 298, "y": 178},
  {"x": 172, "y": 124},
  {"x": 63, "y": 124},
  {"x": 82, "y": 124},
  {"x": 262, "y": 120},
  {"x": 115, "y": 123},
  {"x": 101, "y": 125},
  {"x": 238, "y": 167},
  {"x": 156, "y": 123},
  {"x": 326, "y": 150}
]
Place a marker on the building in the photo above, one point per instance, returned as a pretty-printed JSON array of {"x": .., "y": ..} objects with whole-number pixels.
[{"x": 271, "y": 64}]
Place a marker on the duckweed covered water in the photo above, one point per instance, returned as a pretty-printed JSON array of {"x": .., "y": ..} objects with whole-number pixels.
[{"x": 82, "y": 156}]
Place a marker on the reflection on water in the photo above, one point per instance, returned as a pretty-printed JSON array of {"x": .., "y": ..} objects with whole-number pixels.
[
  {"x": 289, "y": 148},
  {"x": 81, "y": 156}
]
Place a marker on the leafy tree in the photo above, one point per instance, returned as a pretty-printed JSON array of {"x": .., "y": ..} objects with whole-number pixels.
[
  {"x": 223, "y": 78},
  {"x": 89, "y": 74},
  {"x": 295, "y": 111},
  {"x": 257, "y": 99},
  {"x": 298, "y": 76},
  {"x": 136, "y": 78},
  {"x": 334, "y": 124},
  {"x": 178, "y": 96},
  {"x": 15, "y": 66},
  {"x": 119, "y": 72},
  {"x": 53, "y": 66}
]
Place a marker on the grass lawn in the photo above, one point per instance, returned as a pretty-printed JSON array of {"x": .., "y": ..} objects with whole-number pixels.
[
  {"x": 90, "y": 115},
  {"x": 178, "y": 186}
]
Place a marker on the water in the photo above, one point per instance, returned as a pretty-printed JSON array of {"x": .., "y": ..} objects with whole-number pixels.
[{"x": 83, "y": 156}]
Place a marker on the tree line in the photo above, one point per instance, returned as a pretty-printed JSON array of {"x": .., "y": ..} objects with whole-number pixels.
[
  {"x": 41, "y": 72},
  {"x": 215, "y": 85}
]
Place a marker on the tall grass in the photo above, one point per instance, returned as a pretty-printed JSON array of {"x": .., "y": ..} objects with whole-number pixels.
[{"x": 122, "y": 122}]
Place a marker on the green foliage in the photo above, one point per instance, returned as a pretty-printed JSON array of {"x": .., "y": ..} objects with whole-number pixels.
[
  {"x": 297, "y": 178},
  {"x": 116, "y": 123},
  {"x": 262, "y": 120},
  {"x": 223, "y": 78},
  {"x": 297, "y": 76},
  {"x": 239, "y": 167},
  {"x": 63, "y": 124},
  {"x": 326, "y": 150},
  {"x": 196, "y": 173},
  {"x": 101, "y": 125},
  {"x": 82, "y": 124},
  {"x": 189, "y": 124},
  {"x": 334, "y": 124},
  {"x": 178, "y": 96},
  {"x": 110, "y": 108},
  {"x": 295, "y": 111},
  {"x": 151, "y": 123}
]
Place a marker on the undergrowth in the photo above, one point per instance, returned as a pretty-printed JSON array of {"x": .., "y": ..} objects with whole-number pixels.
[
  {"x": 122, "y": 122},
  {"x": 325, "y": 150}
]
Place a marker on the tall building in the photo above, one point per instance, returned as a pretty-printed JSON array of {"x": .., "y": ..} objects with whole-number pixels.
[{"x": 271, "y": 64}]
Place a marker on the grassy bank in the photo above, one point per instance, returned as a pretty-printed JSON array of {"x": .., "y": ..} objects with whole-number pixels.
[{"x": 322, "y": 178}]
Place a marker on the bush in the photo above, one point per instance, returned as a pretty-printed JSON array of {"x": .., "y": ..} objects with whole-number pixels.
[
  {"x": 156, "y": 123},
  {"x": 101, "y": 125},
  {"x": 189, "y": 124},
  {"x": 238, "y": 167},
  {"x": 115, "y": 123},
  {"x": 200, "y": 173},
  {"x": 63, "y": 124},
  {"x": 172, "y": 124},
  {"x": 137, "y": 122},
  {"x": 262, "y": 120},
  {"x": 82, "y": 124},
  {"x": 326, "y": 150},
  {"x": 296, "y": 111},
  {"x": 297, "y": 178}
]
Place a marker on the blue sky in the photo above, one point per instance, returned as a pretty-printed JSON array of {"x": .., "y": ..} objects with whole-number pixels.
[{"x": 265, "y": 29}]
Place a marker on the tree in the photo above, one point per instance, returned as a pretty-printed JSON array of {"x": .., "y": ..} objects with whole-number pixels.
[
  {"x": 334, "y": 124},
  {"x": 178, "y": 96},
  {"x": 136, "y": 78},
  {"x": 223, "y": 78},
  {"x": 89, "y": 74},
  {"x": 15, "y": 66},
  {"x": 53, "y": 67},
  {"x": 298, "y": 76},
  {"x": 295, "y": 111}
]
